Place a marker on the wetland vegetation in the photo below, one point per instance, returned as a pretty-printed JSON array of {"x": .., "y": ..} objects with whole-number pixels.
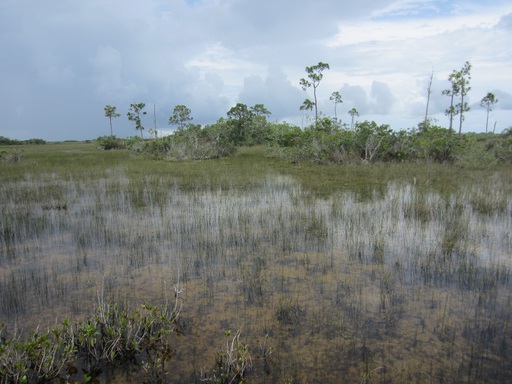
[{"x": 253, "y": 268}]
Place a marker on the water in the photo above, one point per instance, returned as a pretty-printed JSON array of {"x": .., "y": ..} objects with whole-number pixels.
[{"x": 403, "y": 284}]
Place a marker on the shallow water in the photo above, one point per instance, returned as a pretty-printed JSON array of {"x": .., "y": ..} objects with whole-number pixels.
[{"x": 404, "y": 284}]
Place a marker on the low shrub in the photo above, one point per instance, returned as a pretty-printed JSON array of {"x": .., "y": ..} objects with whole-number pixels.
[
  {"x": 232, "y": 363},
  {"x": 110, "y": 142},
  {"x": 111, "y": 337},
  {"x": 13, "y": 156}
]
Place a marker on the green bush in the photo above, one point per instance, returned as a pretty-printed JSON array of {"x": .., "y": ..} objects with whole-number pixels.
[
  {"x": 284, "y": 135},
  {"x": 7, "y": 141},
  {"x": 501, "y": 146},
  {"x": 111, "y": 337},
  {"x": 13, "y": 156},
  {"x": 437, "y": 144},
  {"x": 110, "y": 142},
  {"x": 35, "y": 141},
  {"x": 192, "y": 143},
  {"x": 370, "y": 142}
]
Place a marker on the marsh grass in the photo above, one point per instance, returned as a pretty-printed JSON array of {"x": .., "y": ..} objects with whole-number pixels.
[{"x": 381, "y": 273}]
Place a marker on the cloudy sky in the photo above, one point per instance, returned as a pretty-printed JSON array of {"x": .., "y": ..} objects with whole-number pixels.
[{"x": 62, "y": 61}]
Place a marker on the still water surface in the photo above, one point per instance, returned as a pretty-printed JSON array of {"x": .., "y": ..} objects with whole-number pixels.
[{"x": 396, "y": 285}]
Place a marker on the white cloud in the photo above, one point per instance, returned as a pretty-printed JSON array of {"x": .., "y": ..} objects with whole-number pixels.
[
  {"x": 210, "y": 54},
  {"x": 504, "y": 100},
  {"x": 218, "y": 58},
  {"x": 382, "y": 98},
  {"x": 275, "y": 91}
]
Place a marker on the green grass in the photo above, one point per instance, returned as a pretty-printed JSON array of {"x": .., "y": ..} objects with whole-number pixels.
[{"x": 243, "y": 170}]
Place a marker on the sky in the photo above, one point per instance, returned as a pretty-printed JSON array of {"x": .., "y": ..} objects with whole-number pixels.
[{"x": 62, "y": 61}]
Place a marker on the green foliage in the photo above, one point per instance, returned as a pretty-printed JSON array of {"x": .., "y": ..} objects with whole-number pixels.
[
  {"x": 327, "y": 142},
  {"x": 260, "y": 110},
  {"x": 12, "y": 156},
  {"x": 476, "y": 152},
  {"x": 501, "y": 146},
  {"x": 375, "y": 142},
  {"x": 488, "y": 102},
  {"x": 110, "y": 142},
  {"x": 258, "y": 131},
  {"x": 181, "y": 116},
  {"x": 315, "y": 75},
  {"x": 137, "y": 109},
  {"x": 307, "y": 105},
  {"x": 34, "y": 141},
  {"x": 336, "y": 99},
  {"x": 240, "y": 118},
  {"x": 327, "y": 125},
  {"x": 247, "y": 126},
  {"x": 244, "y": 126},
  {"x": 7, "y": 141},
  {"x": 353, "y": 114},
  {"x": 437, "y": 144},
  {"x": 41, "y": 357},
  {"x": 459, "y": 81},
  {"x": 134, "y": 142},
  {"x": 110, "y": 112},
  {"x": 192, "y": 143},
  {"x": 112, "y": 336},
  {"x": 284, "y": 134}
]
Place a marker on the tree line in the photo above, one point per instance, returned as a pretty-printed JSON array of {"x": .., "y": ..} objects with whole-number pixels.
[
  {"x": 326, "y": 139},
  {"x": 6, "y": 141}
]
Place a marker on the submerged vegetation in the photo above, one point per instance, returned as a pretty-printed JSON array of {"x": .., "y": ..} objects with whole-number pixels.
[
  {"x": 390, "y": 272},
  {"x": 110, "y": 338}
]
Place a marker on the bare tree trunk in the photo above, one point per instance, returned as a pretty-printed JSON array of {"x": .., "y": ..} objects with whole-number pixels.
[
  {"x": 487, "y": 120},
  {"x": 461, "y": 117},
  {"x": 316, "y": 107},
  {"x": 451, "y": 113},
  {"x": 429, "y": 92}
]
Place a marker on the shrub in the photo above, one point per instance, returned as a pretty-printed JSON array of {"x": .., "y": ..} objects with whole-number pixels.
[
  {"x": 110, "y": 142},
  {"x": 7, "y": 141},
  {"x": 438, "y": 144},
  {"x": 35, "y": 141},
  {"x": 232, "y": 363},
  {"x": 13, "y": 156},
  {"x": 193, "y": 143},
  {"x": 284, "y": 135},
  {"x": 502, "y": 147},
  {"x": 111, "y": 337}
]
